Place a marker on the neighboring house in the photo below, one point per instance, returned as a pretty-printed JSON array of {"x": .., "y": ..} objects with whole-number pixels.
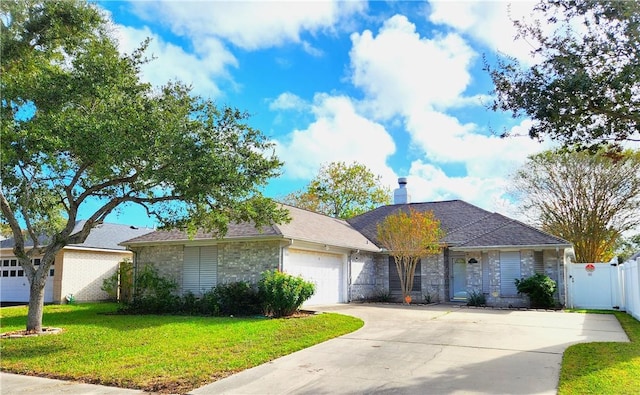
[
  {"x": 482, "y": 252},
  {"x": 79, "y": 269}
]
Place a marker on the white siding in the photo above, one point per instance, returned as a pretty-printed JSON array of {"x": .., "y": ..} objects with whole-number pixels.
[{"x": 509, "y": 272}]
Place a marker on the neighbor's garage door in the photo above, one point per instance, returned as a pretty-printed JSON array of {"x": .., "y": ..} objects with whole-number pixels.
[
  {"x": 14, "y": 285},
  {"x": 326, "y": 271}
]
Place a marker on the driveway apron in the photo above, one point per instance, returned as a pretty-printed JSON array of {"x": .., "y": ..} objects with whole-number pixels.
[{"x": 437, "y": 349}]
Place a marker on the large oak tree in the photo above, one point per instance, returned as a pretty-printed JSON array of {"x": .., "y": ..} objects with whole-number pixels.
[
  {"x": 584, "y": 88},
  {"x": 80, "y": 128},
  {"x": 589, "y": 199}
]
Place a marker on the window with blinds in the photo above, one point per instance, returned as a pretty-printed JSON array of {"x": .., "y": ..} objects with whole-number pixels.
[
  {"x": 509, "y": 272},
  {"x": 200, "y": 269}
]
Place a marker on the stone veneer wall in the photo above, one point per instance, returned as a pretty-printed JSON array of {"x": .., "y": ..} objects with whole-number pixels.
[
  {"x": 433, "y": 278},
  {"x": 245, "y": 261},
  {"x": 367, "y": 277},
  {"x": 237, "y": 261},
  {"x": 494, "y": 298}
]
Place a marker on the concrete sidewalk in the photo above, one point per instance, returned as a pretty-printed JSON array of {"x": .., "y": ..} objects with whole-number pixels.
[
  {"x": 11, "y": 384},
  {"x": 437, "y": 349}
]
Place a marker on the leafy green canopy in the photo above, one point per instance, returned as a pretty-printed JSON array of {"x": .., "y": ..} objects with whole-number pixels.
[
  {"x": 586, "y": 87},
  {"x": 79, "y": 126},
  {"x": 342, "y": 191}
]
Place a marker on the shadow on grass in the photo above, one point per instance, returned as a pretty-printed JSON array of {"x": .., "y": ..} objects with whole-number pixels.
[{"x": 106, "y": 315}]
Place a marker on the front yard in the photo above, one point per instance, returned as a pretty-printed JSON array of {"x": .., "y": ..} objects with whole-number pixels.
[{"x": 156, "y": 353}]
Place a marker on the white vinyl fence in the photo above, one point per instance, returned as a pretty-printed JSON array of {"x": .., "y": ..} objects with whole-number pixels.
[
  {"x": 605, "y": 286},
  {"x": 631, "y": 287}
]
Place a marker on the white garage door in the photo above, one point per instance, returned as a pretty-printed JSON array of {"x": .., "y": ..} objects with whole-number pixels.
[
  {"x": 15, "y": 286},
  {"x": 326, "y": 271}
]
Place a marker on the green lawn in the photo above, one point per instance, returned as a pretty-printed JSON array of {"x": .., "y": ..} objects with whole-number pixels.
[
  {"x": 156, "y": 353},
  {"x": 603, "y": 368}
]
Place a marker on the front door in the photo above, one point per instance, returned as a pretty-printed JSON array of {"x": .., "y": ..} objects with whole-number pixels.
[{"x": 459, "y": 279}]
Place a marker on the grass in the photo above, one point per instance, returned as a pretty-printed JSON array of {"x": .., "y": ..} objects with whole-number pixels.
[
  {"x": 603, "y": 368},
  {"x": 156, "y": 353}
]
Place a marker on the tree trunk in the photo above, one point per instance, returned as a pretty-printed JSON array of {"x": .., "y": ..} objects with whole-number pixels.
[{"x": 36, "y": 304}]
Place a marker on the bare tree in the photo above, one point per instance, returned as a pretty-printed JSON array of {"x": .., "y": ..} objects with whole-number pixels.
[{"x": 589, "y": 199}]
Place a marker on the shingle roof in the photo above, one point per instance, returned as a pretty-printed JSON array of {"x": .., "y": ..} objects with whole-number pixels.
[
  {"x": 304, "y": 226},
  {"x": 465, "y": 226},
  {"x": 103, "y": 236}
]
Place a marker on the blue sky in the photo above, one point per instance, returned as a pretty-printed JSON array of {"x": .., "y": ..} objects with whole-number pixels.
[{"x": 397, "y": 86}]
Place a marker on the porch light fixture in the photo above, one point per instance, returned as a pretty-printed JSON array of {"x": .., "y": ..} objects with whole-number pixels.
[{"x": 473, "y": 260}]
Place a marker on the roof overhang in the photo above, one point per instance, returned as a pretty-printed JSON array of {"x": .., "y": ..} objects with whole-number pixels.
[
  {"x": 212, "y": 241},
  {"x": 512, "y": 247}
]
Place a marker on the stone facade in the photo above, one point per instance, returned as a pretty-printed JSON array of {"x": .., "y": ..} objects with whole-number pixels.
[
  {"x": 237, "y": 261},
  {"x": 367, "y": 281},
  {"x": 245, "y": 261},
  {"x": 433, "y": 276},
  {"x": 369, "y": 272},
  {"x": 166, "y": 259}
]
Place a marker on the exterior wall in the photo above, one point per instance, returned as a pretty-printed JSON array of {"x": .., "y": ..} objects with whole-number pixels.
[
  {"x": 433, "y": 279},
  {"x": 551, "y": 258},
  {"x": 84, "y": 271},
  {"x": 166, "y": 259},
  {"x": 364, "y": 277},
  {"x": 238, "y": 261},
  {"x": 245, "y": 261}
]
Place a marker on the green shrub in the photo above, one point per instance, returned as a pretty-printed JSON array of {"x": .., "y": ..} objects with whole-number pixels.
[
  {"x": 476, "y": 299},
  {"x": 540, "y": 289},
  {"x": 153, "y": 294},
  {"x": 283, "y": 294},
  {"x": 118, "y": 285},
  {"x": 237, "y": 298}
]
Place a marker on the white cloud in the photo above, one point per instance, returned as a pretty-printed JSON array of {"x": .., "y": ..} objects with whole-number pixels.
[
  {"x": 401, "y": 72},
  {"x": 172, "y": 62},
  {"x": 427, "y": 182},
  {"x": 337, "y": 134},
  {"x": 288, "y": 101},
  {"x": 249, "y": 24},
  {"x": 443, "y": 139},
  {"x": 490, "y": 22}
]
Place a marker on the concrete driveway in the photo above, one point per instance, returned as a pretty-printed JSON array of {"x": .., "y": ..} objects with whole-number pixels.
[{"x": 438, "y": 349}]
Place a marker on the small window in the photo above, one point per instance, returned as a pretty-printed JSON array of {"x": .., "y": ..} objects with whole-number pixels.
[
  {"x": 12, "y": 273},
  {"x": 5, "y": 273},
  {"x": 14, "y": 262},
  {"x": 5, "y": 262},
  {"x": 50, "y": 272},
  {"x": 36, "y": 261},
  {"x": 20, "y": 273}
]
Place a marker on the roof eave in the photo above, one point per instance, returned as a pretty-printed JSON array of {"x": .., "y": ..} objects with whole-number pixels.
[
  {"x": 511, "y": 247},
  {"x": 212, "y": 240}
]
